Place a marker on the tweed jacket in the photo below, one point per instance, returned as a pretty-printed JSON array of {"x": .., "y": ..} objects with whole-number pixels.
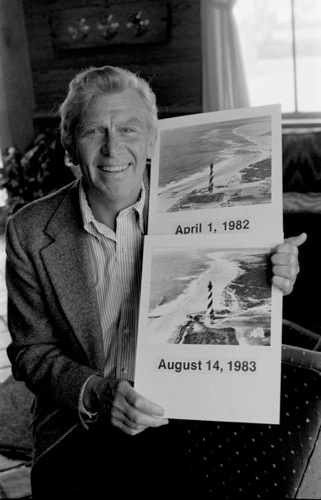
[{"x": 53, "y": 314}]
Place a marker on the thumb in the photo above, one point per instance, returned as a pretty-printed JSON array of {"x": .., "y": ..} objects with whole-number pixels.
[{"x": 297, "y": 240}]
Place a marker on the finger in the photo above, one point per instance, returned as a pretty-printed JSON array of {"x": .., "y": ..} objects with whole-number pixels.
[
  {"x": 133, "y": 422},
  {"x": 284, "y": 284},
  {"x": 136, "y": 418},
  {"x": 297, "y": 240},
  {"x": 142, "y": 404},
  {"x": 134, "y": 410},
  {"x": 118, "y": 419},
  {"x": 125, "y": 428},
  {"x": 287, "y": 272},
  {"x": 285, "y": 265},
  {"x": 285, "y": 259},
  {"x": 291, "y": 245},
  {"x": 287, "y": 248}
]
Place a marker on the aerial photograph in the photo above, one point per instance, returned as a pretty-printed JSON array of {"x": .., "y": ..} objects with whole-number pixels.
[
  {"x": 212, "y": 297},
  {"x": 215, "y": 165}
]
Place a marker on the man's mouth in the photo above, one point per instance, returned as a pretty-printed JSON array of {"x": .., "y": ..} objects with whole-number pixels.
[{"x": 114, "y": 168}]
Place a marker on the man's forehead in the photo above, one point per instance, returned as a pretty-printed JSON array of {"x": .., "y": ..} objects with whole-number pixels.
[
  {"x": 124, "y": 118},
  {"x": 119, "y": 106}
]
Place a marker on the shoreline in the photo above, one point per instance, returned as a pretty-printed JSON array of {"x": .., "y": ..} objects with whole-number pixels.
[
  {"x": 236, "y": 319},
  {"x": 227, "y": 183}
]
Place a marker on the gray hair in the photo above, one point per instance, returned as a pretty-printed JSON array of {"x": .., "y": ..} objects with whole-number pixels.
[{"x": 98, "y": 81}]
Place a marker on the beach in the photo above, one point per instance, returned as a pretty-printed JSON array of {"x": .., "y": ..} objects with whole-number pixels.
[
  {"x": 242, "y": 311},
  {"x": 230, "y": 164}
]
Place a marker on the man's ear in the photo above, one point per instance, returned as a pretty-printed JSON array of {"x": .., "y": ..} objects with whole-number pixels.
[
  {"x": 73, "y": 156},
  {"x": 151, "y": 145}
]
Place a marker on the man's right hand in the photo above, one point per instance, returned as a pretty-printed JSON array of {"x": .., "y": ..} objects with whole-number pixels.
[{"x": 124, "y": 408}]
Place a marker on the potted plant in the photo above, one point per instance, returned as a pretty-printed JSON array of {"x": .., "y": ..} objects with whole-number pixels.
[{"x": 41, "y": 170}]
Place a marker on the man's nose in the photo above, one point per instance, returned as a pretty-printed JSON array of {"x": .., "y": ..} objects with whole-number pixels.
[{"x": 110, "y": 144}]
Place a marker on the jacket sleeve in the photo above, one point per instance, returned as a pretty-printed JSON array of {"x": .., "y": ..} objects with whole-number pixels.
[{"x": 38, "y": 352}]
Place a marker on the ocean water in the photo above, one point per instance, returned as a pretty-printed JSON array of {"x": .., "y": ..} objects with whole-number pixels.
[
  {"x": 240, "y": 292},
  {"x": 241, "y": 295},
  {"x": 173, "y": 270},
  {"x": 186, "y": 151}
]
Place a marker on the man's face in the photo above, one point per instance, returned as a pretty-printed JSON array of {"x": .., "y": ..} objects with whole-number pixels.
[{"x": 112, "y": 145}]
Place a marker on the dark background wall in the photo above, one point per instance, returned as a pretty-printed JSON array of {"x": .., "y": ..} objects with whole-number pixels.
[{"x": 173, "y": 65}]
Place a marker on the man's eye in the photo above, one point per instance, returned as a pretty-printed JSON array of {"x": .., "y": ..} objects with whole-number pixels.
[
  {"x": 128, "y": 130},
  {"x": 92, "y": 131}
]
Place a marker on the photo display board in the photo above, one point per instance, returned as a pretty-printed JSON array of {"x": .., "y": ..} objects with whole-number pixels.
[{"x": 210, "y": 322}]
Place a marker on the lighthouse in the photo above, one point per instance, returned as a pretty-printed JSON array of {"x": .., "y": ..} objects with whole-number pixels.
[
  {"x": 211, "y": 181},
  {"x": 210, "y": 310}
]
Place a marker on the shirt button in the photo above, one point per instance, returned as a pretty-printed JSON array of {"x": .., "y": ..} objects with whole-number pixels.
[
  {"x": 124, "y": 370},
  {"x": 127, "y": 330}
]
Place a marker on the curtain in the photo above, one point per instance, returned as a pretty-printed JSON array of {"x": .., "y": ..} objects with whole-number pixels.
[{"x": 224, "y": 83}]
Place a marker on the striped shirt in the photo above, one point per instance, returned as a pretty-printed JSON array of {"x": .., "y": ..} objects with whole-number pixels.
[{"x": 116, "y": 265}]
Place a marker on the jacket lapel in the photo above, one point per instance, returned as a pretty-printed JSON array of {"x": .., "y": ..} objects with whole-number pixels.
[{"x": 67, "y": 261}]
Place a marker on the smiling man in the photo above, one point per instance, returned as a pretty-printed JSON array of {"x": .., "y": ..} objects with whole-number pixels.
[
  {"x": 73, "y": 278},
  {"x": 111, "y": 146}
]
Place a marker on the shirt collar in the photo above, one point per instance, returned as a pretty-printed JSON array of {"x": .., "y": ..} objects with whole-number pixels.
[{"x": 89, "y": 219}]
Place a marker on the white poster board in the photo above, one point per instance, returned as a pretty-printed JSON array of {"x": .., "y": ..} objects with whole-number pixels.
[
  {"x": 210, "y": 168},
  {"x": 210, "y": 323}
]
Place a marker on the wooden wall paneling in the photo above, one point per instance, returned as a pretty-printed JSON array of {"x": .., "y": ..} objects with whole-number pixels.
[
  {"x": 174, "y": 66},
  {"x": 131, "y": 23}
]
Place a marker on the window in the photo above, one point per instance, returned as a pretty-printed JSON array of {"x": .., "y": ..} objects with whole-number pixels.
[{"x": 281, "y": 47}]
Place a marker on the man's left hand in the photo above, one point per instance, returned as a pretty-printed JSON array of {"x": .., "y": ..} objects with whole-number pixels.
[{"x": 285, "y": 261}]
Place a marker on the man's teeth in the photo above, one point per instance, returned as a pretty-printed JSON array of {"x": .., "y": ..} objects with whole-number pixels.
[{"x": 114, "y": 168}]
